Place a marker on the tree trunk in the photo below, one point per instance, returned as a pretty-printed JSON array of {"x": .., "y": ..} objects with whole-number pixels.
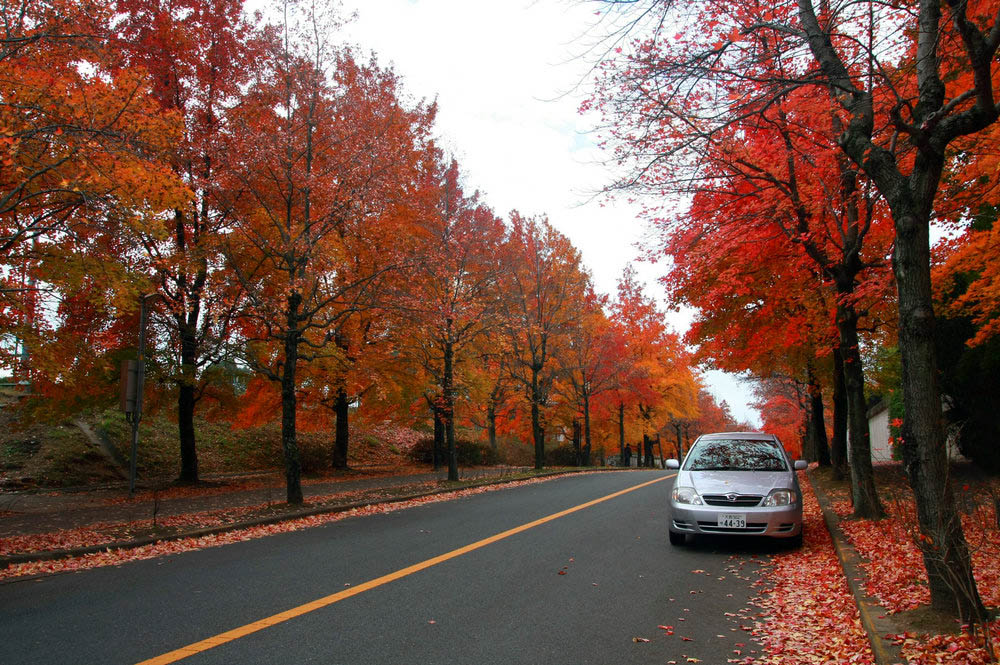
[
  {"x": 185, "y": 405},
  {"x": 449, "y": 407},
  {"x": 293, "y": 466},
  {"x": 449, "y": 437},
  {"x": 586, "y": 430},
  {"x": 577, "y": 447},
  {"x": 186, "y": 320},
  {"x": 538, "y": 434},
  {"x": 911, "y": 199},
  {"x": 342, "y": 430},
  {"x": 185, "y": 429},
  {"x": 186, "y": 394},
  {"x": 438, "y": 452},
  {"x": 863, "y": 492},
  {"x": 491, "y": 425},
  {"x": 621, "y": 432},
  {"x": 945, "y": 551},
  {"x": 816, "y": 432},
  {"x": 838, "y": 449}
]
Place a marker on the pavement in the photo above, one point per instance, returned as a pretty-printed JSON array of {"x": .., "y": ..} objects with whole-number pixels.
[{"x": 27, "y": 513}]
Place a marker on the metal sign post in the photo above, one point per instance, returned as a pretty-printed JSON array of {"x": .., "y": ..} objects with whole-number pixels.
[{"x": 133, "y": 386}]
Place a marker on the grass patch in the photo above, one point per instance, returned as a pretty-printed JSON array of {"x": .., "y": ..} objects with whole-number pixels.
[{"x": 59, "y": 455}]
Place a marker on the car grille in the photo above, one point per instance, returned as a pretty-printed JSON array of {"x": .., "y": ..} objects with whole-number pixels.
[
  {"x": 740, "y": 500},
  {"x": 752, "y": 527}
]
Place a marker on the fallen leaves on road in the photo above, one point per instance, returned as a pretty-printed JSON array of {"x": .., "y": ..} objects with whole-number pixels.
[{"x": 808, "y": 613}]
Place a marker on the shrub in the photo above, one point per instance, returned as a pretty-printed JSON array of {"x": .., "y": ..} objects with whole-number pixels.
[
  {"x": 561, "y": 456},
  {"x": 470, "y": 453}
]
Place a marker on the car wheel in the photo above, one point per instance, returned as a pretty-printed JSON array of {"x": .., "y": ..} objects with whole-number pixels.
[
  {"x": 795, "y": 542},
  {"x": 677, "y": 538}
]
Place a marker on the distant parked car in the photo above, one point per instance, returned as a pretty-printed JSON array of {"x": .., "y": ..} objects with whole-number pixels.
[{"x": 740, "y": 483}]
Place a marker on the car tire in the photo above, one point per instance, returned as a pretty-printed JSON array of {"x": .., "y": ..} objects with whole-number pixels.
[
  {"x": 677, "y": 538},
  {"x": 795, "y": 542}
]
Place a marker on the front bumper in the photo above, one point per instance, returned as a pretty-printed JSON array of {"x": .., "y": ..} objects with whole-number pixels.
[{"x": 777, "y": 521}]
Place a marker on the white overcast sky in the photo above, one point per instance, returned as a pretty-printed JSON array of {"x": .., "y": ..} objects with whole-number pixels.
[{"x": 505, "y": 76}]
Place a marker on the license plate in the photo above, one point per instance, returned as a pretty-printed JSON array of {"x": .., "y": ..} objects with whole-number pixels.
[{"x": 733, "y": 520}]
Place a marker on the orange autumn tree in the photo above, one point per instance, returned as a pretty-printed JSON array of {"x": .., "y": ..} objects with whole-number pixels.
[
  {"x": 593, "y": 364},
  {"x": 967, "y": 283},
  {"x": 199, "y": 55},
  {"x": 759, "y": 305},
  {"x": 78, "y": 134},
  {"x": 770, "y": 176},
  {"x": 379, "y": 230},
  {"x": 542, "y": 289},
  {"x": 317, "y": 157},
  {"x": 659, "y": 382},
  {"x": 452, "y": 295},
  {"x": 783, "y": 405},
  {"x": 491, "y": 390},
  {"x": 81, "y": 173},
  {"x": 975, "y": 260},
  {"x": 967, "y": 295}
]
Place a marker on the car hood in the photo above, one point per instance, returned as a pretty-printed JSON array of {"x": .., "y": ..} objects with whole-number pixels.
[{"x": 742, "y": 482}]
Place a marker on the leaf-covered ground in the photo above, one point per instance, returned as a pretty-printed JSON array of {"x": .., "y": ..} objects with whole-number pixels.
[
  {"x": 112, "y": 557},
  {"x": 894, "y": 565},
  {"x": 894, "y": 569},
  {"x": 108, "y": 533},
  {"x": 263, "y": 481},
  {"x": 808, "y": 614}
]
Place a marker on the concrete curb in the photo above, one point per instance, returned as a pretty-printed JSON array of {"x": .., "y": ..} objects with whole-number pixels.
[
  {"x": 50, "y": 555},
  {"x": 884, "y": 651}
]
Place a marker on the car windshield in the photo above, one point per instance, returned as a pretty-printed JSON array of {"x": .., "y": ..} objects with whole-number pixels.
[{"x": 736, "y": 455}]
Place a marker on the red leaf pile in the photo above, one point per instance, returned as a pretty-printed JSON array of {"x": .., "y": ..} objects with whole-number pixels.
[
  {"x": 893, "y": 563},
  {"x": 895, "y": 573},
  {"x": 963, "y": 649},
  {"x": 808, "y": 612}
]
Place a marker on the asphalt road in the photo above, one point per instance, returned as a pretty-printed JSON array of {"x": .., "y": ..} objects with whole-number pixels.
[{"x": 574, "y": 589}]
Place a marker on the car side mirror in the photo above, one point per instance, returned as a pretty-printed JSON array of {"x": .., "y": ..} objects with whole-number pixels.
[
  {"x": 801, "y": 465},
  {"x": 673, "y": 464}
]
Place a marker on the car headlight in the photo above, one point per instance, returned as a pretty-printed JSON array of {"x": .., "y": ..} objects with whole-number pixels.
[
  {"x": 686, "y": 495},
  {"x": 780, "y": 498}
]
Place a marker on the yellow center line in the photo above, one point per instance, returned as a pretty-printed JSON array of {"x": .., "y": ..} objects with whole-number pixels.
[{"x": 281, "y": 617}]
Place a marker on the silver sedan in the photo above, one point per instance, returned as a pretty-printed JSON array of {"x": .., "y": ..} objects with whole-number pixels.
[{"x": 736, "y": 483}]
